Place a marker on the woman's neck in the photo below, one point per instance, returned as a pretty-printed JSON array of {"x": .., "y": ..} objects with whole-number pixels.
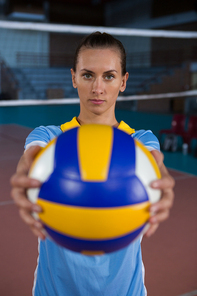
[{"x": 97, "y": 120}]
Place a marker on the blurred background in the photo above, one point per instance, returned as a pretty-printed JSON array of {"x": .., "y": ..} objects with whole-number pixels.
[
  {"x": 35, "y": 64},
  {"x": 37, "y": 44}
]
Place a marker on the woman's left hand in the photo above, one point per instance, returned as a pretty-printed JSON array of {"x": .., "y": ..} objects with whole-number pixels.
[{"x": 160, "y": 211}]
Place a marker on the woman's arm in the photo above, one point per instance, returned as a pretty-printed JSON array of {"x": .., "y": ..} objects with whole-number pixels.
[
  {"x": 20, "y": 182},
  {"x": 161, "y": 210}
]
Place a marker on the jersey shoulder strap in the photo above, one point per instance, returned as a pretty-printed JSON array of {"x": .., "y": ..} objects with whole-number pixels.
[
  {"x": 126, "y": 128},
  {"x": 71, "y": 124},
  {"x": 74, "y": 123}
]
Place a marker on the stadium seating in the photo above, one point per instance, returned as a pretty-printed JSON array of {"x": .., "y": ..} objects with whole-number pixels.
[{"x": 35, "y": 82}]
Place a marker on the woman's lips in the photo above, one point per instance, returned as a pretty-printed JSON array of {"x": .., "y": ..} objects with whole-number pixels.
[{"x": 97, "y": 102}]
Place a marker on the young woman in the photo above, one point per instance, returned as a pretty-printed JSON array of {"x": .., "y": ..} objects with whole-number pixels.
[{"x": 99, "y": 74}]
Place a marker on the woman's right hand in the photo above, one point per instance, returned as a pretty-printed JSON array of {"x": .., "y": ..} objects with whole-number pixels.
[{"x": 20, "y": 182}]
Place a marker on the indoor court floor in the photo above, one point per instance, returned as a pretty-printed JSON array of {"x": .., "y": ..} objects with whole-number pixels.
[{"x": 170, "y": 255}]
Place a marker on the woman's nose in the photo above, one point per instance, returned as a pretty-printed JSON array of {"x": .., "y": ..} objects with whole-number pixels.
[{"x": 98, "y": 86}]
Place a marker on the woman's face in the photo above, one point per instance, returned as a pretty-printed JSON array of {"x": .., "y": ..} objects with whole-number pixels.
[{"x": 99, "y": 79}]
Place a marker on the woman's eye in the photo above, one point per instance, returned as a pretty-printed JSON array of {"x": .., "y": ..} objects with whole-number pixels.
[
  {"x": 87, "y": 76},
  {"x": 109, "y": 77}
]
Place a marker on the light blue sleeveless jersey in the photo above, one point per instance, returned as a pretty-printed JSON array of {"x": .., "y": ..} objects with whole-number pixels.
[{"x": 61, "y": 272}]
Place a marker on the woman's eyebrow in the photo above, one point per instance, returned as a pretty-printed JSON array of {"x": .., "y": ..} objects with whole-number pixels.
[
  {"x": 89, "y": 71},
  {"x": 109, "y": 71},
  {"x": 86, "y": 70}
]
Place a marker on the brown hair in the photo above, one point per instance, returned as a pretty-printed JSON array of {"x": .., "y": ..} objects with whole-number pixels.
[{"x": 101, "y": 40}]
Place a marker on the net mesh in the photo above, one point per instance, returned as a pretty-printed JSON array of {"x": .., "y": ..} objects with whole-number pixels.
[{"x": 36, "y": 61}]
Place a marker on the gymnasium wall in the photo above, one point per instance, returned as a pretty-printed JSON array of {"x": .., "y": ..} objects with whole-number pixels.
[{"x": 48, "y": 115}]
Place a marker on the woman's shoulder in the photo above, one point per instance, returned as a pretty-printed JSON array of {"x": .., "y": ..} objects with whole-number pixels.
[
  {"x": 42, "y": 135},
  {"x": 147, "y": 138}
]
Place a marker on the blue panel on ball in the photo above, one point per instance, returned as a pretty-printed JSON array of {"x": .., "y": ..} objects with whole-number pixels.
[
  {"x": 112, "y": 193},
  {"x": 123, "y": 155},
  {"x": 106, "y": 246},
  {"x": 121, "y": 188},
  {"x": 66, "y": 155}
]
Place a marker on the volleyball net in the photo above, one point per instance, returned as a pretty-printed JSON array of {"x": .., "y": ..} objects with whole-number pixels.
[{"x": 35, "y": 62}]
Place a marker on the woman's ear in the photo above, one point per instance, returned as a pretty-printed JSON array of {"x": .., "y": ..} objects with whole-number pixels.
[
  {"x": 124, "y": 82},
  {"x": 73, "y": 78}
]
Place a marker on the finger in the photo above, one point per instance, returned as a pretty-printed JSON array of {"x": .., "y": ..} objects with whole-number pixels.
[
  {"x": 33, "y": 150},
  {"x": 20, "y": 199},
  {"x": 31, "y": 153},
  {"x": 27, "y": 217},
  {"x": 23, "y": 181},
  {"x": 159, "y": 217},
  {"x": 26, "y": 160},
  {"x": 164, "y": 183},
  {"x": 151, "y": 230},
  {"x": 38, "y": 233},
  {"x": 166, "y": 202},
  {"x": 35, "y": 225},
  {"x": 159, "y": 157}
]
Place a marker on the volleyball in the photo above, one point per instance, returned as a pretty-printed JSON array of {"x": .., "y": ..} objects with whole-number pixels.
[{"x": 95, "y": 191}]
